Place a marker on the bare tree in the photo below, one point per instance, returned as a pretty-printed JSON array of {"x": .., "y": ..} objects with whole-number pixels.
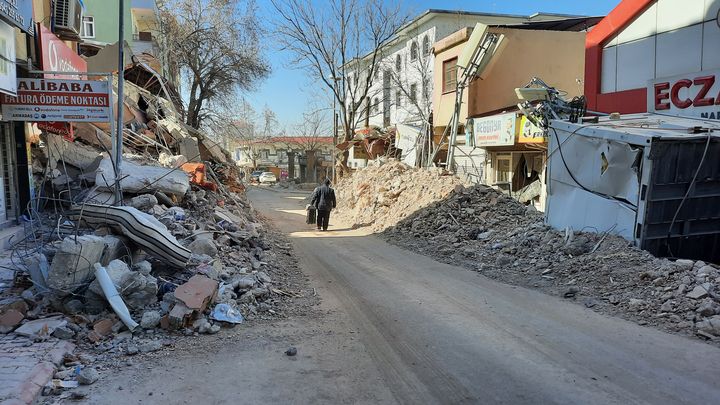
[
  {"x": 331, "y": 39},
  {"x": 215, "y": 44}
]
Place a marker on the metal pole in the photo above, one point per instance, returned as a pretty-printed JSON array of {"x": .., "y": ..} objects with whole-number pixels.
[
  {"x": 121, "y": 98},
  {"x": 334, "y": 151}
]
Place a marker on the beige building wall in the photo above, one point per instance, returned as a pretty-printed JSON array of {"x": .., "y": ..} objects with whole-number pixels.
[
  {"x": 443, "y": 102},
  {"x": 557, "y": 57}
]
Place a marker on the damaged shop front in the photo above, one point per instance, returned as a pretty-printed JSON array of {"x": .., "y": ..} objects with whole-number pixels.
[
  {"x": 507, "y": 152},
  {"x": 652, "y": 179}
]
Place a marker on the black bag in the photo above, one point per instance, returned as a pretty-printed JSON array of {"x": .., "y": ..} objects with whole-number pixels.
[{"x": 311, "y": 215}]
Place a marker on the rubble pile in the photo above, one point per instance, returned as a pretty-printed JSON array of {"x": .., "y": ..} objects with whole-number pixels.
[
  {"x": 183, "y": 253},
  {"x": 489, "y": 232},
  {"x": 386, "y": 191}
]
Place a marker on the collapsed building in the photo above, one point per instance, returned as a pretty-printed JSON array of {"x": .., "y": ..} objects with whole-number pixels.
[{"x": 183, "y": 250}]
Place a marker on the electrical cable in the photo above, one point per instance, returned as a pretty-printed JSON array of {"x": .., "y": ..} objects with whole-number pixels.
[
  {"x": 687, "y": 193},
  {"x": 626, "y": 203}
]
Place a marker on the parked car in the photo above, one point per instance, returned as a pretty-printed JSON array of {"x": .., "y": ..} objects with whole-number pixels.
[
  {"x": 255, "y": 176},
  {"x": 268, "y": 177}
]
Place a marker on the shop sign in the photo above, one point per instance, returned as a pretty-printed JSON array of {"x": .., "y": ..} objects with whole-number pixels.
[
  {"x": 60, "y": 128},
  {"x": 497, "y": 130},
  {"x": 58, "y": 100},
  {"x": 530, "y": 133},
  {"x": 18, "y": 13},
  {"x": 8, "y": 76},
  {"x": 690, "y": 95},
  {"x": 58, "y": 57}
]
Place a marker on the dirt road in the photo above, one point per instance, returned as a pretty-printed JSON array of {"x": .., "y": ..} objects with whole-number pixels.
[{"x": 398, "y": 327}]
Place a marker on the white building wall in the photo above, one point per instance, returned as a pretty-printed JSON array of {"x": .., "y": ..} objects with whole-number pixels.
[{"x": 671, "y": 37}]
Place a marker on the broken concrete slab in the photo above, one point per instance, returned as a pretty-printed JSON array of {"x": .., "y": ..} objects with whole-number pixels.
[
  {"x": 172, "y": 161},
  {"x": 204, "y": 246},
  {"x": 72, "y": 265},
  {"x": 697, "y": 293},
  {"x": 141, "y": 228},
  {"x": 189, "y": 148},
  {"x": 141, "y": 178},
  {"x": 197, "y": 293},
  {"x": 40, "y": 327},
  {"x": 72, "y": 153},
  {"x": 180, "y": 316}
]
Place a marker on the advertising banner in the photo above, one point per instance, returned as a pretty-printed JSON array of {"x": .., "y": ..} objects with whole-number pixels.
[
  {"x": 58, "y": 100},
  {"x": 497, "y": 130},
  {"x": 18, "y": 13},
  {"x": 8, "y": 82},
  {"x": 690, "y": 95},
  {"x": 58, "y": 57},
  {"x": 529, "y": 133}
]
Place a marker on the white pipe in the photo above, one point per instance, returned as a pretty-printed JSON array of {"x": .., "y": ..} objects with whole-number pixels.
[{"x": 113, "y": 297}]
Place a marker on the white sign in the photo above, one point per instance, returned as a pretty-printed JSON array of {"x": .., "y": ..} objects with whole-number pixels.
[
  {"x": 8, "y": 83},
  {"x": 689, "y": 95},
  {"x": 497, "y": 130},
  {"x": 58, "y": 100}
]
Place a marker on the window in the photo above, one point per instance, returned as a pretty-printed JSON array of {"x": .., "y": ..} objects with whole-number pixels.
[
  {"x": 413, "y": 51},
  {"x": 426, "y": 46},
  {"x": 88, "y": 27},
  {"x": 376, "y": 105},
  {"x": 450, "y": 75},
  {"x": 503, "y": 174},
  {"x": 145, "y": 36},
  {"x": 349, "y": 81},
  {"x": 398, "y": 63},
  {"x": 413, "y": 92},
  {"x": 398, "y": 98}
]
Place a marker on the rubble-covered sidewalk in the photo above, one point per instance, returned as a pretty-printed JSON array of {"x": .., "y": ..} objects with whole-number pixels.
[{"x": 483, "y": 230}]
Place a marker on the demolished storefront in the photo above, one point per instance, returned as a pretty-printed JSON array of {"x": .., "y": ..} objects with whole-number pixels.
[{"x": 494, "y": 144}]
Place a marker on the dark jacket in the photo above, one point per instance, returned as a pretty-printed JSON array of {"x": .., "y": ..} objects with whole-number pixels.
[{"x": 323, "y": 198}]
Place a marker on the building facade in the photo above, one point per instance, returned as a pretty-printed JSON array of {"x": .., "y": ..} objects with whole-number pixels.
[
  {"x": 495, "y": 144},
  {"x": 656, "y": 56},
  {"x": 402, "y": 85}
]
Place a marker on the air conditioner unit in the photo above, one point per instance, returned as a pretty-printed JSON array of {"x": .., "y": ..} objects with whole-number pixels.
[{"x": 67, "y": 17}]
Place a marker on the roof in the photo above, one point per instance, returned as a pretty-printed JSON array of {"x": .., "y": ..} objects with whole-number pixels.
[
  {"x": 430, "y": 13},
  {"x": 568, "y": 24},
  {"x": 642, "y": 129}
]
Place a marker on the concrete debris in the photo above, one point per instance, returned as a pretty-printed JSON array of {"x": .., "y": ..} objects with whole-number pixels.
[
  {"x": 150, "y": 319},
  {"x": 143, "y": 202},
  {"x": 87, "y": 376},
  {"x": 486, "y": 231},
  {"x": 72, "y": 265},
  {"x": 204, "y": 246},
  {"x": 40, "y": 327},
  {"x": 143, "y": 178}
]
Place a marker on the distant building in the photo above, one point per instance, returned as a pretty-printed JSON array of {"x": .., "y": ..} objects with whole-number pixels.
[{"x": 285, "y": 153}]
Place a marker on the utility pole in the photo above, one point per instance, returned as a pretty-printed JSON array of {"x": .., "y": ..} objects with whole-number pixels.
[{"x": 121, "y": 81}]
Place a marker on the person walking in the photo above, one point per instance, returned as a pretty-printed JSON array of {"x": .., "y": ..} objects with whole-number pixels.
[{"x": 323, "y": 199}]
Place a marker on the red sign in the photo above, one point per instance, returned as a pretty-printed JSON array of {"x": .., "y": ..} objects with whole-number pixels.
[
  {"x": 61, "y": 128},
  {"x": 58, "y": 57}
]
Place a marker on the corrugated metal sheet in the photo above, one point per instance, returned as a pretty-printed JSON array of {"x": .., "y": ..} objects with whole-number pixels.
[{"x": 470, "y": 163}]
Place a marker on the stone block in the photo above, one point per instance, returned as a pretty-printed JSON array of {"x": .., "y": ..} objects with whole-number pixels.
[{"x": 72, "y": 265}]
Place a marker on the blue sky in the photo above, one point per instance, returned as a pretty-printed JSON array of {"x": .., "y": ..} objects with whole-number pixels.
[{"x": 289, "y": 93}]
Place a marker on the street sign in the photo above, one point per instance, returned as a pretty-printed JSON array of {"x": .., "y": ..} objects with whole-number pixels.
[{"x": 58, "y": 100}]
